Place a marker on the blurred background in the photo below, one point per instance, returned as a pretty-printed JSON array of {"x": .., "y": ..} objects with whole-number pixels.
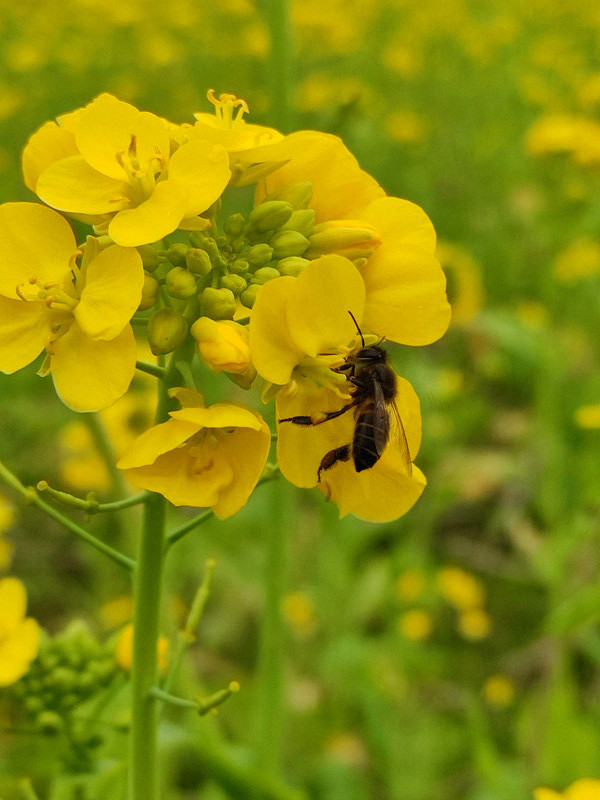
[{"x": 454, "y": 653}]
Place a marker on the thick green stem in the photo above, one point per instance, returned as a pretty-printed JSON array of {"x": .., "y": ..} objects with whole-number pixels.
[
  {"x": 143, "y": 779},
  {"x": 281, "y": 62},
  {"x": 269, "y": 711}
]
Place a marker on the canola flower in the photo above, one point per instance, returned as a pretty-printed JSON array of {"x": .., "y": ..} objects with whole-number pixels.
[
  {"x": 19, "y": 635},
  {"x": 582, "y": 789}
]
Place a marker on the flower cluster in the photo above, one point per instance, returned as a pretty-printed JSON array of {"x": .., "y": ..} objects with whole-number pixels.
[{"x": 297, "y": 288}]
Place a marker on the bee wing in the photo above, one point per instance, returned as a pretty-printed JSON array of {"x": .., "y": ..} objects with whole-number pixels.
[
  {"x": 381, "y": 419},
  {"x": 400, "y": 436}
]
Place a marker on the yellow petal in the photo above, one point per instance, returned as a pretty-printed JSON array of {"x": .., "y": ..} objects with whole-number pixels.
[
  {"x": 155, "y": 442},
  {"x": 340, "y": 187},
  {"x": 220, "y": 415},
  {"x": 13, "y": 603},
  {"x": 48, "y": 144},
  {"x": 91, "y": 374},
  {"x": 204, "y": 169},
  {"x": 34, "y": 241},
  {"x": 406, "y": 295},
  {"x": 272, "y": 348},
  {"x": 108, "y": 127},
  {"x": 156, "y": 217},
  {"x": 72, "y": 185},
  {"x": 319, "y": 304},
  {"x": 17, "y": 652},
  {"x": 112, "y": 292},
  {"x": 24, "y": 331},
  {"x": 584, "y": 789},
  {"x": 547, "y": 794}
]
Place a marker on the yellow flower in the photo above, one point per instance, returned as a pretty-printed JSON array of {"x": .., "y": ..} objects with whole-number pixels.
[
  {"x": 588, "y": 417},
  {"x": 462, "y": 589},
  {"x": 583, "y": 789},
  {"x": 78, "y": 313},
  {"x": 208, "y": 457},
  {"x": 19, "y": 635},
  {"x": 227, "y": 126},
  {"x": 299, "y": 612},
  {"x": 224, "y": 347},
  {"x": 405, "y": 286},
  {"x": 300, "y": 331},
  {"x": 577, "y": 136},
  {"x": 464, "y": 272},
  {"x": 113, "y": 164},
  {"x": 474, "y": 623},
  {"x": 124, "y": 651},
  {"x": 579, "y": 260},
  {"x": 416, "y": 624},
  {"x": 499, "y": 691},
  {"x": 410, "y": 584}
]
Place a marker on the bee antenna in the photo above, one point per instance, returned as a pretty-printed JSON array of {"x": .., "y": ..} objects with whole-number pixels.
[{"x": 357, "y": 328}]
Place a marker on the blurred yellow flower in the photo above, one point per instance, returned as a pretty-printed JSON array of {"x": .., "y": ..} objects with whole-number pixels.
[
  {"x": 416, "y": 624},
  {"x": 299, "y": 612},
  {"x": 410, "y": 584},
  {"x": 499, "y": 691},
  {"x": 7, "y": 513},
  {"x": 474, "y": 623},
  {"x": 588, "y": 416},
  {"x": 117, "y": 611},
  {"x": 562, "y": 133},
  {"x": 204, "y": 457},
  {"x": 465, "y": 285},
  {"x": 19, "y": 635},
  {"x": 460, "y": 588},
  {"x": 405, "y": 127},
  {"x": 113, "y": 164},
  {"x": 78, "y": 313},
  {"x": 579, "y": 260},
  {"x": 124, "y": 650},
  {"x": 583, "y": 789}
]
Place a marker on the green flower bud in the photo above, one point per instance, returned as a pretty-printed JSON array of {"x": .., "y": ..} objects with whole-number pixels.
[
  {"x": 234, "y": 225},
  {"x": 292, "y": 266},
  {"x": 238, "y": 244},
  {"x": 235, "y": 283},
  {"x": 240, "y": 266},
  {"x": 270, "y": 215},
  {"x": 298, "y": 195},
  {"x": 248, "y": 296},
  {"x": 197, "y": 238},
  {"x": 150, "y": 257},
  {"x": 33, "y": 704},
  {"x": 264, "y": 275},
  {"x": 218, "y": 303},
  {"x": 167, "y": 329},
  {"x": 149, "y": 292},
  {"x": 259, "y": 255},
  {"x": 63, "y": 679},
  {"x": 288, "y": 243},
  {"x": 198, "y": 261},
  {"x": 302, "y": 220},
  {"x": 176, "y": 254},
  {"x": 49, "y": 723},
  {"x": 350, "y": 238},
  {"x": 180, "y": 283}
]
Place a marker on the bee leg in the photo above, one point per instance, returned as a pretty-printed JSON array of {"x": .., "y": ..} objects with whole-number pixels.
[
  {"x": 332, "y": 457},
  {"x": 325, "y": 416}
]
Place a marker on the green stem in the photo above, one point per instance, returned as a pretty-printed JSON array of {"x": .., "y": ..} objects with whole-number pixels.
[
  {"x": 90, "y": 505},
  {"x": 143, "y": 779},
  {"x": 269, "y": 711},
  {"x": 105, "y": 447},
  {"x": 30, "y": 495},
  {"x": 167, "y": 697},
  {"x": 281, "y": 60},
  {"x": 151, "y": 369}
]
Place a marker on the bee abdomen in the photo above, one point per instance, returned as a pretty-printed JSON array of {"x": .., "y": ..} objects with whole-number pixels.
[{"x": 368, "y": 430}]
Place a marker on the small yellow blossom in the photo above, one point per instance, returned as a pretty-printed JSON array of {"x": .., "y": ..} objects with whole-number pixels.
[
  {"x": 465, "y": 282},
  {"x": 79, "y": 314},
  {"x": 113, "y": 165},
  {"x": 410, "y": 584},
  {"x": 462, "y": 589},
  {"x": 124, "y": 651},
  {"x": 588, "y": 417},
  {"x": 299, "y": 612},
  {"x": 205, "y": 457},
  {"x": 19, "y": 635},
  {"x": 499, "y": 691},
  {"x": 117, "y": 611},
  {"x": 224, "y": 347},
  {"x": 7, "y": 513},
  {"x": 227, "y": 126},
  {"x": 405, "y": 127},
  {"x": 416, "y": 624},
  {"x": 577, "y": 136},
  {"x": 474, "y": 623},
  {"x": 582, "y": 789},
  {"x": 579, "y": 260}
]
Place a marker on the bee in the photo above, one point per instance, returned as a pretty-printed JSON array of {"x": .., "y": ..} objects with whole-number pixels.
[{"x": 373, "y": 400}]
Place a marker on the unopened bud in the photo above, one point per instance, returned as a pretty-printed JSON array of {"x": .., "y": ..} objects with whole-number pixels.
[
  {"x": 346, "y": 237},
  {"x": 167, "y": 329},
  {"x": 298, "y": 195},
  {"x": 292, "y": 266},
  {"x": 234, "y": 225},
  {"x": 235, "y": 283},
  {"x": 302, "y": 220},
  {"x": 240, "y": 266},
  {"x": 264, "y": 275},
  {"x": 176, "y": 254},
  {"x": 218, "y": 303},
  {"x": 248, "y": 296},
  {"x": 288, "y": 243},
  {"x": 270, "y": 215},
  {"x": 150, "y": 257},
  {"x": 198, "y": 261},
  {"x": 149, "y": 292},
  {"x": 259, "y": 255},
  {"x": 223, "y": 345},
  {"x": 180, "y": 283}
]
